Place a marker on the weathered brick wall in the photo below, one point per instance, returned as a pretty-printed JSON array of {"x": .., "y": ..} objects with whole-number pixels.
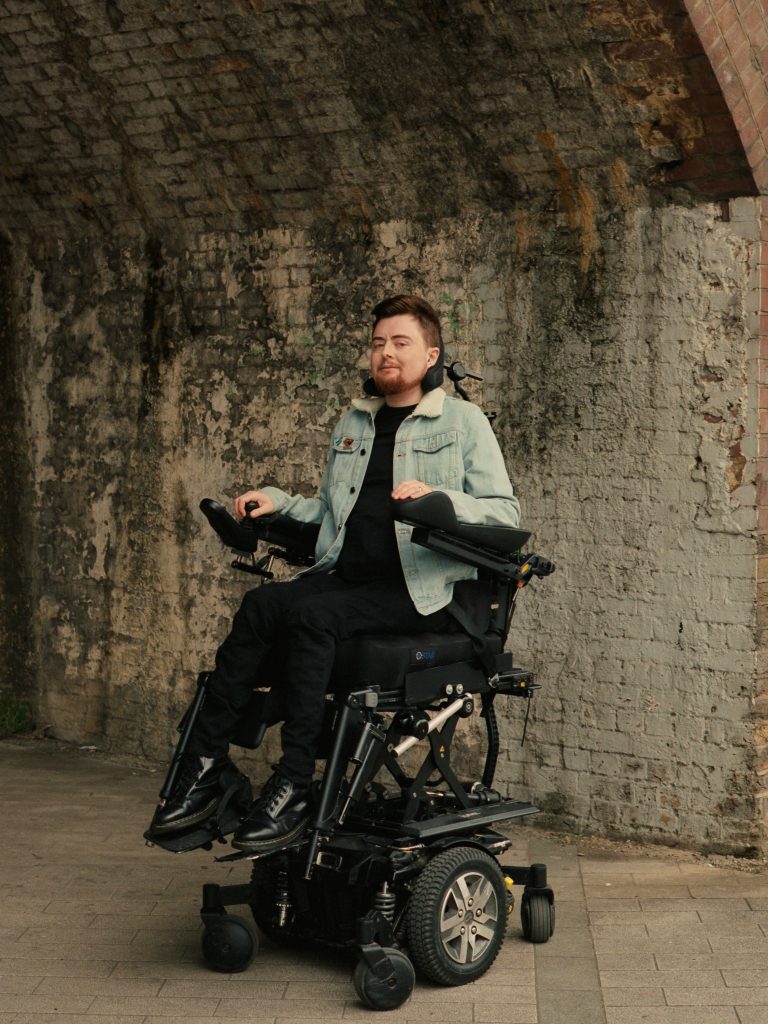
[
  {"x": 156, "y": 377},
  {"x": 254, "y": 113},
  {"x": 199, "y": 203},
  {"x": 649, "y": 494}
]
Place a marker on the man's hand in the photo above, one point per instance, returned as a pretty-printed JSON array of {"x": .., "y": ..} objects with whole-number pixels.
[
  {"x": 265, "y": 503},
  {"x": 410, "y": 489}
]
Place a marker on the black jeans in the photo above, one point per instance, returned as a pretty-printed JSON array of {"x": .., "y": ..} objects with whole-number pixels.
[{"x": 307, "y": 618}]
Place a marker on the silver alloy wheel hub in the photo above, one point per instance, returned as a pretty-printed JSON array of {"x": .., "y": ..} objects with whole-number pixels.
[{"x": 468, "y": 917}]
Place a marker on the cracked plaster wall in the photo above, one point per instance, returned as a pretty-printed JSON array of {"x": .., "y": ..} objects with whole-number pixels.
[{"x": 616, "y": 348}]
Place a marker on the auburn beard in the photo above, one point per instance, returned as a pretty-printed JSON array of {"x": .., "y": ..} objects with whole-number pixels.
[{"x": 393, "y": 384}]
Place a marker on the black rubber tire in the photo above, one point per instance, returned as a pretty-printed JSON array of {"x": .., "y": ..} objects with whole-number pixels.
[
  {"x": 229, "y": 944},
  {"x": 443, "y": 896},
  {"x": 378, "y": 994},
  {"x": 537, "y": 916}
]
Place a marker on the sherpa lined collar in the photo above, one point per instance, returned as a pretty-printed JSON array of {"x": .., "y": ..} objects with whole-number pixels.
[{"x": 431, "y": 404}]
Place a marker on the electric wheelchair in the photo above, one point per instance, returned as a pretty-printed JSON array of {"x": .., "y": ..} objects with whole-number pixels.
[{"x": 398, "y": 863}]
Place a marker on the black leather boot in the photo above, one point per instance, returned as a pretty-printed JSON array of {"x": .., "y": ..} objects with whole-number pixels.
[
  {"x": 196, "y": 794},
  {"x": 279, "y": 815}
]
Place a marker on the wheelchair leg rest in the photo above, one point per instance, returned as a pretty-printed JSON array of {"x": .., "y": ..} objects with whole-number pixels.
[
  {"x": 334, "y": 770},
  {"x": 185, "y": 728},
  {"x": 367, "y": 759}
]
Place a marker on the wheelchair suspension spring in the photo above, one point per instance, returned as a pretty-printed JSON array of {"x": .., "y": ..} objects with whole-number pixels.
[
  {"x": 385, "y": 902},
  {"x": 283, "y": 904}
]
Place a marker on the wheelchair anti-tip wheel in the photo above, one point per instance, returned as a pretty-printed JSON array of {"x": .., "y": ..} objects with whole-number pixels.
[
  {"x": 385, "y": 993},
  {"x": 229, "y": 944},
  {"x": 537, "y": 916},
  {"x": 457, "y": 916}
]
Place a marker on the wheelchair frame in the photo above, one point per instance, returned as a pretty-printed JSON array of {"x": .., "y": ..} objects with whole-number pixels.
[{"x": 381, "y": 869}]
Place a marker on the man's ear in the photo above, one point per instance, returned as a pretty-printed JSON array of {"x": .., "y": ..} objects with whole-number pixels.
[{"x": 433, "y": 355}]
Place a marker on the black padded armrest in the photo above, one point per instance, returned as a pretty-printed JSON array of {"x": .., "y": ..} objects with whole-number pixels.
[
  {"x": 435, "y": 511},
  {"x": 282, "y": 531}
]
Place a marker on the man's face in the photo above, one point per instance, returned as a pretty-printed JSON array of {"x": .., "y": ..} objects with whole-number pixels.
[{"x": 400, "y": 355}]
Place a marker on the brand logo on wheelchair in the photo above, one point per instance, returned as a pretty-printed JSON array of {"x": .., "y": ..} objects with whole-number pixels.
[{"x": 428, "y": 655}]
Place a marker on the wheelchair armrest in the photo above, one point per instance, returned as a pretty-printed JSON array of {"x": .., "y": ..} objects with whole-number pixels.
[
  {"x": 282, "y": 531},
  {"x": 436, "y": 512}
]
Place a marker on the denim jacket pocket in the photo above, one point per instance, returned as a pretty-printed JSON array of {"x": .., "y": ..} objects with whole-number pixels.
[
  {"x": 437, "y": 458},
  {"x": 346, "y": 453}
]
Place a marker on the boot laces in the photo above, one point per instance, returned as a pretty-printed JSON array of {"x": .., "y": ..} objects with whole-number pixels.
[{"x": 276, "y": 790}]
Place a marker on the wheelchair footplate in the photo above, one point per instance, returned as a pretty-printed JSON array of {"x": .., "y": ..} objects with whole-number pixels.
[
  {"x": 467, "y": 819},
  {"x": 201, "y": 837},
  {"x": 221, "y": 823}
]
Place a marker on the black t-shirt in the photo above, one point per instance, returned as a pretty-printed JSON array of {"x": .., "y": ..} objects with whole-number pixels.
[{"x": 370, "y": 546}]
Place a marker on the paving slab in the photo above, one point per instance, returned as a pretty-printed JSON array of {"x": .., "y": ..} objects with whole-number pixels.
[{"x": 99, "y": 929}]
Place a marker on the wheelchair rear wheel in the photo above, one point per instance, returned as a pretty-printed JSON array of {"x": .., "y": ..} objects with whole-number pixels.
[{"x": 457, "y": 916}]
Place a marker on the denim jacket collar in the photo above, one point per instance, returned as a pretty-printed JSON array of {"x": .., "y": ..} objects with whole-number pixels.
[{"x": 431, "y": 404}]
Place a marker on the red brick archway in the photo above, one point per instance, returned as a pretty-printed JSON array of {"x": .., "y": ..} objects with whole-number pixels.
[{"x": 734, "y": 35}]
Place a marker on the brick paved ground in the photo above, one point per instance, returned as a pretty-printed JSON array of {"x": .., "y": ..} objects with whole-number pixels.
[{"x": 96, "y": 927}]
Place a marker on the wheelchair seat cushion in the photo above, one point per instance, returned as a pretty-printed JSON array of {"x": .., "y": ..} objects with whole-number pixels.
[{"x": 386, "y": 660}]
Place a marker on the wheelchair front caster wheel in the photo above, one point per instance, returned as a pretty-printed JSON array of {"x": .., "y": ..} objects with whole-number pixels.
[
  {"x": 537, "y": 915},
  {"x": 229, "y": 944},
  {"x": 385, "y": 993}
]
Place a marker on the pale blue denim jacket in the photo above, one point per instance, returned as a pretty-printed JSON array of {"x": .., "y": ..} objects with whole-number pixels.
[{"x": 446, "y": 443}]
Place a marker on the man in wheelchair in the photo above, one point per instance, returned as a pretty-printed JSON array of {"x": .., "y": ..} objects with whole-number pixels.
[{"x": 403, "y": 441}]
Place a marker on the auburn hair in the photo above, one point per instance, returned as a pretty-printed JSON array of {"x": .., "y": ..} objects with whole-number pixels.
[{"x": 416, "y": 307}]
